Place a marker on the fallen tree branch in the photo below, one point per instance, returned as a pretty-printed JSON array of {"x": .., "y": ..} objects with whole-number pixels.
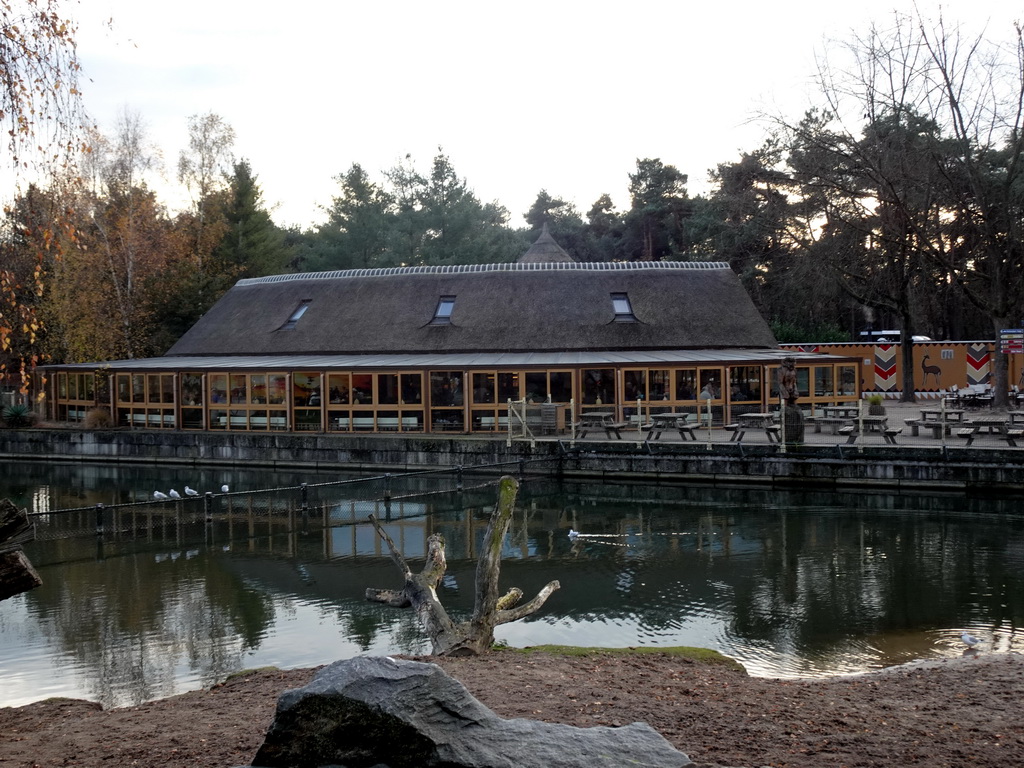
[
  {"x": 16, "y": 572},
  {"x": 420, "y": 590}
]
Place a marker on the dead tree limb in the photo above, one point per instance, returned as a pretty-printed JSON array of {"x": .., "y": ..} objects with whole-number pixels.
[
  {"x": 420, "y": 590},
  {"x": 16, "y": 572}
]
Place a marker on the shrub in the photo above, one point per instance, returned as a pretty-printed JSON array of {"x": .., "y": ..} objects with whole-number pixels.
[
  {"x": 97, "y": 418},
  {"x": 17, "y": 416}
]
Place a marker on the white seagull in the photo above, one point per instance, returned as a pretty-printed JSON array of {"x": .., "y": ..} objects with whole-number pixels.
[
  {"x": 573, "y": 534},
  {"x": 970, "y": 640},
  {"x": 174, "y": 494},
  {"x": 224, "y": 488},
  {"x": 159, "y": 495},
  {"x": 191, "y": 491}
]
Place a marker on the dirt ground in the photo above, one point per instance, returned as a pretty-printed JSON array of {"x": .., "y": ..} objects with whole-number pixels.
[{"x": 945, "y": 714}]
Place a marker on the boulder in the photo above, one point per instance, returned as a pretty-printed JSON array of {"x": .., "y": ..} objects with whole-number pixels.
[{"x": 372, "y": 712}]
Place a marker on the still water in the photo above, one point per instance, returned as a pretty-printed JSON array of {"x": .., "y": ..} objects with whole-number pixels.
[{"x": 788, "y": 583}]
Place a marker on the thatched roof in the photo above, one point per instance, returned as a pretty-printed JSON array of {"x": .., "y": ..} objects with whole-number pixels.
[
  {"x": 539, "y": 307},
  {"x": 545, "y": 250}
]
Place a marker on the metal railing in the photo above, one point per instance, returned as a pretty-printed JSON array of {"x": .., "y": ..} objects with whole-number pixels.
[{"x": 332, "y": 502}]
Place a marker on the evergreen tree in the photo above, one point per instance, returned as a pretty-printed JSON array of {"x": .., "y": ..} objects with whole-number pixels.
[{"x": 252, "y": 245}]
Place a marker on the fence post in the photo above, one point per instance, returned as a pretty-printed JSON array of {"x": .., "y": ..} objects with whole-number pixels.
[
  {"x": 99, "y": 519},
  {"x": 304, "y": 496},
  {"x": 458, "y": 478},
  {"x": 387, "y": 487}
]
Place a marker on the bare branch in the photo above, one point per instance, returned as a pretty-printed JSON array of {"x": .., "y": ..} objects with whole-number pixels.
[{"x": 396, "y": 556}]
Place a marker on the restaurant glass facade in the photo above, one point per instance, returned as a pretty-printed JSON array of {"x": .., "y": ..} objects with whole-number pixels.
[{"x": 437, "y": 400}]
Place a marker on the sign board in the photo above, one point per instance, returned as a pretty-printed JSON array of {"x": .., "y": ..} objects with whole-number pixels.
[{"x": 1011, "y": 341}]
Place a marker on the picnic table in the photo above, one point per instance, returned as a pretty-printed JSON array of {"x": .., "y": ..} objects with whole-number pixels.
[
  {"x": 754, "y": 421},
  {"x": 976, "y": 400},
  {"x": 991, "y": 424},
  {"x": 940, "y": 414},
  {"x": 590, "y": 420},
  {"x": 662, "y": 421},
  {"x": 840, "y": 411},
  {"x": 868, "y": 423},
  {"x": 940, "y": 421}
]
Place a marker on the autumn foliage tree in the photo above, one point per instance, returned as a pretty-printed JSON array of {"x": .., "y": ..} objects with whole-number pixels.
[{"x": 40, "y": 105}]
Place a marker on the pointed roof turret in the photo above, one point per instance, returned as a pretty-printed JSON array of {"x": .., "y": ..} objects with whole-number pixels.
[{"x": 545, "y": 250}]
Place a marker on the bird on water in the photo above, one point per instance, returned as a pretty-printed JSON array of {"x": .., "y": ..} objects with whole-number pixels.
[{"x": 969, "y": 640}]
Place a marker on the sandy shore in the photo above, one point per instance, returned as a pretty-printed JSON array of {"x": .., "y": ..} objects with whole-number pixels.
[{"x": 944, "y": 714}]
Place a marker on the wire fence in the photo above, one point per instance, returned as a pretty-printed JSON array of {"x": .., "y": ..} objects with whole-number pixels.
[{"x": 328, "y": 503}]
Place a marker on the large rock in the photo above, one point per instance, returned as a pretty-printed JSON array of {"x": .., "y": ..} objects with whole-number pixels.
[{"x": 367, "y": 712}]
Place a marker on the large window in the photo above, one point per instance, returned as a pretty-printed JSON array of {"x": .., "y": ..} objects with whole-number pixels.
[
  {"x": 382, "y": 402},
  {"x": 598, "y": 386},
  {"x": 248, "y": 401},
  {"x": 145, "y": 400},
  {"x": 745, "y": 384},
  {"x": 447, "y": 402},
  {"x": 76, "y": 394},
  {"x": 191, "y": 398},
  {"x": 307, "y": 400}
]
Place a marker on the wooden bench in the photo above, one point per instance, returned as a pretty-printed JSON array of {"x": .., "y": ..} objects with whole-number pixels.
[
  {"x": 261, "y": 422},
  {"x": 1012, "y": 436},
  {"x": 967, "y": 433},
  {"x": 935, "y": 426},
  {"x": 611, "y": 428},
  {"x": 888, "y": 434},
  {"x": 739, "y": 430},
  {"x": 655, "y": 428},
  {"x": 614, "y": 428},
  {"x": 835, "y": 422}
]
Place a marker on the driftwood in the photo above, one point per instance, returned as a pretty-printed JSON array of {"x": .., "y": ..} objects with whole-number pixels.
[
  {"x": 475, "y": 636},
  {"x": 16, "y": 573}
]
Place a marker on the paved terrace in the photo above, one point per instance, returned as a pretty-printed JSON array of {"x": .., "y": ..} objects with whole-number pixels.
[{"x": 987, "y": 426}]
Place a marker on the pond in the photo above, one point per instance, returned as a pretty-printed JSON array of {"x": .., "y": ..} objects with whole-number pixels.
[{"x": 788, "y": 583}]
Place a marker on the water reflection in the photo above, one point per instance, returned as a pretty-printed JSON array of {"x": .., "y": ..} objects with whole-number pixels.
[{"x": 788, "y": 583}]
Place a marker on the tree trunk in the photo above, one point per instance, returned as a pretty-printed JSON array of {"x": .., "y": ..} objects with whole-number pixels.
[
  {"x": 419, "y": 592},
  {"x": 1000, "y": 367}
]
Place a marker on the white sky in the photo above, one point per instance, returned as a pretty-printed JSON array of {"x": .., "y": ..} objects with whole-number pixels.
[{"x": 562, "y": 95}]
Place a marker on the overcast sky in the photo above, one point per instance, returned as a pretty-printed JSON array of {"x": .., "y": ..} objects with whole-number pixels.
[{"x": 557, "y": 95}]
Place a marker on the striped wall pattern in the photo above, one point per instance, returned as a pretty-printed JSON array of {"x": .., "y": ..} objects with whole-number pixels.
[
  {"x": 885, "y": 367},
  {"x": 979, "y": 358}
]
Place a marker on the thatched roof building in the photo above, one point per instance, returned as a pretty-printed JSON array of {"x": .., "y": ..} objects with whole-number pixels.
[
  {"x": 445, "y": 348},
  {"x": 532, "y": 307}
]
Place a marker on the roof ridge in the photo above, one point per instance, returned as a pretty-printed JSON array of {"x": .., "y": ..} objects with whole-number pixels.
[{"x": 464, "y": 269}]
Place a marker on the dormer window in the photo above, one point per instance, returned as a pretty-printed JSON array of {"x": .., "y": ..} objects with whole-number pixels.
[
  {"x": 294, "y": 318},
  {"x": 443, "y": 313},
  {"x": 622, "y": 308}
]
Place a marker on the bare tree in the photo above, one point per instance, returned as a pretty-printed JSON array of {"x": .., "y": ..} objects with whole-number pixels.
[
  {"x": 926, "y": 136},
  {"x": 419, "y": 592}
]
